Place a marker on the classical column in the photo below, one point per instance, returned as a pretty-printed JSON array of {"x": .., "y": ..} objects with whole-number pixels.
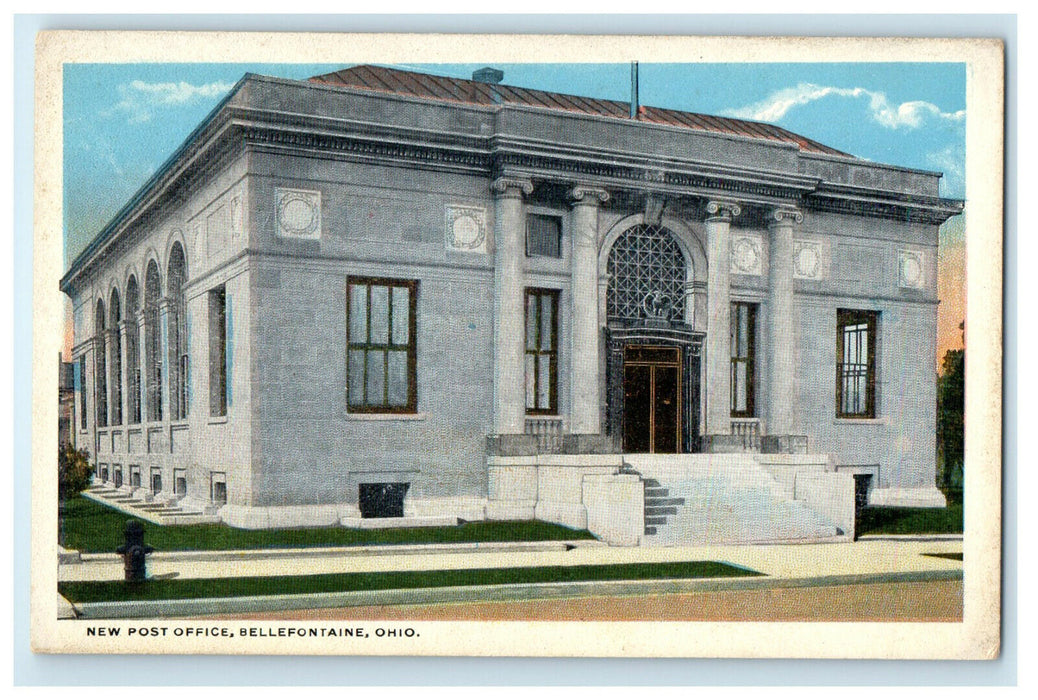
[
  {"x": 509, "y": 325},
  {"x": 718, "y": 336},
  {"x": 584, "y": 379},
  {"x": 163, "y": 353},
  {"x": 782, "y": 332},
  {"x": 142, "y": 366},
  {"x": 124, "y": 373},
  {"x": 108, "y": 350}
]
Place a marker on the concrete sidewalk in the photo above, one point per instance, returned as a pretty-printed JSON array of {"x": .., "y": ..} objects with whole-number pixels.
[
  {"x": 783, "y": 566},
  {"x": 867, "y": 557}
]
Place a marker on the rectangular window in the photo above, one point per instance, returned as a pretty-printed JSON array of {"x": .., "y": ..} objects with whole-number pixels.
[
  {"x": 744, "y": 353},
  {"x": 382, "y": 345},
  {"x": 218, "y": 351},
  {"x": 542, "y": 351},
  {"x": 543, "y": 236},
  {"x": 856, "y": 363},
  {"x": 81, "y": 387}
]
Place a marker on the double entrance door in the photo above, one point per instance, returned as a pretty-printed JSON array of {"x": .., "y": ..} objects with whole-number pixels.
[{"x": 652, "y": 399}]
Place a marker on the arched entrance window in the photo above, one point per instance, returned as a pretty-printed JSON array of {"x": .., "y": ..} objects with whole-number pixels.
[
  {"x": 115, "y": 363},
  {"x": 152, "y": 341},
  {"x": 100, "y": 371},
  {"x": 133, "y": 353},
  {"x": 647, "y": 275},
  {"x": 178, "y": 357},
  {"x": 653, "y": 375}
]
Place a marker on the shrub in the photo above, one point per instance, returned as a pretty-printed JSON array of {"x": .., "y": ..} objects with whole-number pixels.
[{"x": 74, "y": 471}]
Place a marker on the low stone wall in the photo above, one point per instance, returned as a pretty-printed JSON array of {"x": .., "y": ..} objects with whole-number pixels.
[{"x": 544, "y": 487}]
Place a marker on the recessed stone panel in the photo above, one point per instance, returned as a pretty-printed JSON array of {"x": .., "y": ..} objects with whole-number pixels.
[
  {"x": 466, "y": 228},
  {"x": 911, "y": 269},
  {"x": 807, "y": 260},
  {"x": 747, "y": 254},
  {"x": 298, "y": 213}
]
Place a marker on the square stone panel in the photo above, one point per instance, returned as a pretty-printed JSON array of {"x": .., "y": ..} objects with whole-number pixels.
[
  {"x": 298, "y": 213},
  {"x": 465, "y": 228}
]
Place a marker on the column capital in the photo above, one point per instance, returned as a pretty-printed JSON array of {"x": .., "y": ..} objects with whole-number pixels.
[
  {"x": 511, "y": 187},
  {"x": 588, "y": 195},
  {"x": 719, "y": 210},
  {"x": 785, "y": 216}
]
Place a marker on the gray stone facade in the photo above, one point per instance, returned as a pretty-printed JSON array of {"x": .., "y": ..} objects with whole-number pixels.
[{"x": 291, "y": 189}]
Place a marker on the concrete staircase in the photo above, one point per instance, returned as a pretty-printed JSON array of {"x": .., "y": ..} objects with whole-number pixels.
[
  {"x": 658, "y": 506},
  {"x": 157, "y": 512},
  {"x": 725, "y": 498}
]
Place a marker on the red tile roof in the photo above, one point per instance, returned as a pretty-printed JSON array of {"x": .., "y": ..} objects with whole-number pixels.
[{"x": 437, "y": 87}]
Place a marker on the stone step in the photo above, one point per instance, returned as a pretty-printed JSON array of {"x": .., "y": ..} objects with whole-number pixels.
[
  {"x": 660, "y": 510},
  {"x": 657, "y": 520},
  {"x": 651, "y": 483},
  {"x": 654, "y": 502},
  {"x": 650, "y": 530},
  {"x": 654, "y": 492}
]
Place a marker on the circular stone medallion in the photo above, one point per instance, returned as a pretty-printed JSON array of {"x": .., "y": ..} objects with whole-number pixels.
[
  {"x": 297, "y": 215},
  {"x": 467, "y": 232},
  {"x": 911, "y": 270}
]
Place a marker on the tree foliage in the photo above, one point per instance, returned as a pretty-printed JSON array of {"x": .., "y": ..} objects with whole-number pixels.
[
  {"x": 951, "y": 395},
  {"x": 74, "y": 471}
]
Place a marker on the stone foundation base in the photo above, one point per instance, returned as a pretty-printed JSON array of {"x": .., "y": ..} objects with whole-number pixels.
[
  {"x": 727, "y": 444},
  {"x": 916, "y": 497},
  {"x": 783, "y": 444},
  {"x": 417, "y": 513}
]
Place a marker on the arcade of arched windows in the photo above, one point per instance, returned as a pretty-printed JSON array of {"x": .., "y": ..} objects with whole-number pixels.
[{"x": 113, "y": 350}]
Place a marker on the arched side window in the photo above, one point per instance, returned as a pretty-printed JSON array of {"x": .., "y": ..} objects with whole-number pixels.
[
  {"x": 100, "y": 371},
  {"x": 178, "y": 356},
  {"x": 115, "y": 364},
  {"x": 647, "y": 274},
  {"x": 133, "y": 353},
  {"x": 152, "y": 342}
]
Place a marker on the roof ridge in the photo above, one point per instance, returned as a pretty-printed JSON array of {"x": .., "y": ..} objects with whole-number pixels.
[{"x": 559, "y": 101}]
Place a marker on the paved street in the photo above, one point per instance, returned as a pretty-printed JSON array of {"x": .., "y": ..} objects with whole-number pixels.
[
  {"x": 908, "y": 601},
  {"x": 875, "y": 579}
]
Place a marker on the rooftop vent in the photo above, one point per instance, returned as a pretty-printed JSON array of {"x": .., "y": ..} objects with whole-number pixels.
[{"x": 488, "y": 75}]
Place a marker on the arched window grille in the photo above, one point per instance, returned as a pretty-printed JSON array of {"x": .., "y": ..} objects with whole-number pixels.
[
  {"x": 178, "y": 345},
  {"x": 152, "y": 342},
  {"x": 115, "y": 364},
  {"x": 647, "y": 274},
  {"x": 100, "y": 372},
  {"x": 133, "y": 353}
]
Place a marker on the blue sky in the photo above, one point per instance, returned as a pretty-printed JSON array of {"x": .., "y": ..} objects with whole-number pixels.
[{"x": 123, "y": 120}]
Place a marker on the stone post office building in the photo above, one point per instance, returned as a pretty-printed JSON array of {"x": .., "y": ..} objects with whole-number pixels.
[{"x": 380, "y": 297}]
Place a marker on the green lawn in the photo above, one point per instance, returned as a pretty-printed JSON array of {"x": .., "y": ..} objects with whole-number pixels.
[
  {"x": 92, "y": 527},
  {"x": 911, "y": 521},
  {"x": 180, "y": 589}
]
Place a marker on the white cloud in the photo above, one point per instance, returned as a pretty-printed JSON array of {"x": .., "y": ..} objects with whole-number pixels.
[
  {"x": 911, "y": 115},
  {"x": 951, "y": 161},
  {"x": 139, "y": 98}
]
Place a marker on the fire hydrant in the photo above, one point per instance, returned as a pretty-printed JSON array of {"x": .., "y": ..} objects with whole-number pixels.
[{"x": 134, "y": 551}]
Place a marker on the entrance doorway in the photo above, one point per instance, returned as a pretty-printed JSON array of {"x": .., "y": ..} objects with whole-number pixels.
[{"x": 652, "y": 399}]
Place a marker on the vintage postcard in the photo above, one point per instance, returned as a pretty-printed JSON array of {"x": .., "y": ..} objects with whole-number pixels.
[{"x": 517, "y": 345}]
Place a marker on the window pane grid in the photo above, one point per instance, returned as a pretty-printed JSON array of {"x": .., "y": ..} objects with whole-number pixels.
[
  {"x": 743, "y": 347},
  {"x": 541, "y": 351},
  {"x": 856, "y": 365},
  {"x": 381, "y": 346},
  {"x": 543, "y": 236}
]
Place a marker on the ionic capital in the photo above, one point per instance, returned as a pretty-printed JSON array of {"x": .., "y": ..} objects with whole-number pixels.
[
  {"x": 588, "y": 195},
  {"x": 511, "y": 187},
  {"x": 719, "y": 210},
  {"x": 785, "y": 216}
]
